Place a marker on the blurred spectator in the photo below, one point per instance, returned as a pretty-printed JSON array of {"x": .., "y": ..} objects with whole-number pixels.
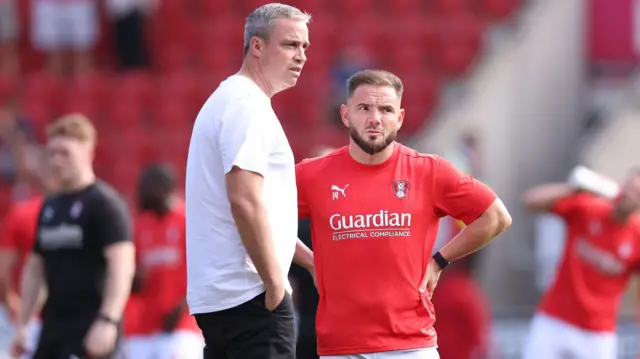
[
  {"x": 351, "y": 59},
  {"x": 463, "y": 318},
  {"x": 128, "y": 18},
  {"x": 65, "y": 26},
  {"x": 8, "y": 37},
  {"x": 20, "y": 155},
  {"x": 306, "y": 294}
]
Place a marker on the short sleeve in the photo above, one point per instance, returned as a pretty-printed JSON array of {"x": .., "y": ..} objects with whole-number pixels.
[
  {"x": 303, "y": 204},
  {"x": 37, "y": 243},
  {"x": 113, "y": 222},
  {"x": 8, "y": 232},
  {"x": 457, "y": 194},
  {"x": 567, "y": 206},
  {"x": 246, "y": 137}
]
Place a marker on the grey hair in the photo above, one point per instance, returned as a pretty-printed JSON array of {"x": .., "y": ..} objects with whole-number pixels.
[{"x": 260, "y": 21}]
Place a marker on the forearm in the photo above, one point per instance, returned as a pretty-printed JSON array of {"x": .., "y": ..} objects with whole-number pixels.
[
  {"x": 542, "y": 198},
  {"x": 255, "y": 233},
  {"x": 479, "y": 233},
  {"x": 120, "y": 272},
  {"x": 33, "y": 292},
  {"x": 303, "y": 256}
]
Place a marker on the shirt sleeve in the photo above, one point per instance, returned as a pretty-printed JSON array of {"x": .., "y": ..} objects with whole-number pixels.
[
  {"x": 113, "y": 222},
  {"x": 457, "y": 194},
  {"x": 567, "y": 206},
  {"x": 37, "y": 243},
  {"x": 303, "y": 204},
  {"x": 8, "y": 232},
  {"x": 246, "y": 138}
]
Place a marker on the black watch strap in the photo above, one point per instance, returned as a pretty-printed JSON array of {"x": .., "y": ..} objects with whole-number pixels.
[
  {"x": 442, "y": 262},
  {"x": 107, "y": 319}
]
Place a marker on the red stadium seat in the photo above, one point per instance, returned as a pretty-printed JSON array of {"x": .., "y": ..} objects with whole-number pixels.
[
  {"x": 41, "y": 87},
  {"x": 313, "y": 7},
  {"x": 93, "y": 87},
  {"x": 451, "y": 6},
  {"x": 172, "y": 115},
  {"x": 456, "y": 58},
  {"x": 7, "y": 87},
  {"x": 404, "y": 7},
  {"x": 355, "y": 8},
  {"x": 421, "y": 95},
  {"x": 500, "y": 9},
  {"x": 406, "y": 57},
  {"x": 211, "y": 8},
  {"x": 124, "y": 114},
  {"x": 180, "y": 86},
  {"x": 134, "y": 87},
  {"x": 218, "y": 60},
  {"x": 172, "y": 58}
]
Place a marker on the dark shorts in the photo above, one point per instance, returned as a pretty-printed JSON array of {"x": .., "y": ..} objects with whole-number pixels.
[
  {"x": 250, "y": 331},
  {"x": 64, "y": 341}
]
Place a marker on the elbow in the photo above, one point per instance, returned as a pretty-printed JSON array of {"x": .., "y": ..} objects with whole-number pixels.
[{"x": 502, "y": 222}]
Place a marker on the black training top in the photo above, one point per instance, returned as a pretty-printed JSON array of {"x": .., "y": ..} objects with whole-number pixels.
[{"x": 73, "y": 231}]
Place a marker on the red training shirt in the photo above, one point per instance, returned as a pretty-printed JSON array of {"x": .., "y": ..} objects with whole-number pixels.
[
  {"x": 464, "y": 320},
  {"x": 373, "y": 229},
  {"x": 599, "y": 257},
  {"x": 161, "y": 257},
  {"x": 18, "y": 233}
]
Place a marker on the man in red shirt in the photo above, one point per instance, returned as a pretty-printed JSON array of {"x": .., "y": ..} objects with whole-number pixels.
[
  {"x": 17, "y": 236},
  {"x": 577, "y": 316},
  {"x": 160, "y": 326},
  {"x": 464, "y": 318},
  {"x": 374, "y": 207}
]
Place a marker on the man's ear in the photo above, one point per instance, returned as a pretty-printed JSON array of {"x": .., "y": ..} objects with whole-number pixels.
[{"x": 344, "y": 115}]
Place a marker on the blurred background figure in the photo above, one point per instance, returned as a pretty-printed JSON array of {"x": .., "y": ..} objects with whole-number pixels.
[
  {"x": 160, "y": 325},
  {"x": 463, "y": 314},
  {"x": 8, "y": 37},
  {"x": 64, "y": 29},
  {"x": 128, "y": 18}
]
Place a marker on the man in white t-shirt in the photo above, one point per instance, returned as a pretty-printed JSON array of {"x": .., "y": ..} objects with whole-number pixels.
[{"x": 241, "y": 198}]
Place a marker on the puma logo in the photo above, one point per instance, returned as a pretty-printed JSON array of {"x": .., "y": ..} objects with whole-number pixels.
[{"x": 338, "y": 189}]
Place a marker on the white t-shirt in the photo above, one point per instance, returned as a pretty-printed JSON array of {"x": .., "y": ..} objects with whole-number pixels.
[{"x": 236, "y": 127}]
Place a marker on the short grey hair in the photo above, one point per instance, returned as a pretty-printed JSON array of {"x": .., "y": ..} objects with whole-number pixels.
[{"x": 260, "y": 21}]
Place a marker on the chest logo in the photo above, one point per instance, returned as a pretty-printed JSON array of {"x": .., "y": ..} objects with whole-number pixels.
[
  {"x": 400, "y": 188},
  {"x": 76, "y": 209},
  {"x": 336, "y": 191}
]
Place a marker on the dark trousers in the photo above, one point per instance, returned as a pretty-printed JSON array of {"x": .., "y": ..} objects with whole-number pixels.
[
  {"x": 64, "y": 340},
  {"x": 250, "y": 331}
]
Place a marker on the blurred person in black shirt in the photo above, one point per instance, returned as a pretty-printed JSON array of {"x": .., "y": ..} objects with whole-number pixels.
[{"x": 83, "y": 254}]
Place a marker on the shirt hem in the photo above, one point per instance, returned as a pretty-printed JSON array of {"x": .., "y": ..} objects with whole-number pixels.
[
  {"x": 376, "y": 349},
  {"x": 250, "y": 294},
  {"x": 575, "y": 324}
]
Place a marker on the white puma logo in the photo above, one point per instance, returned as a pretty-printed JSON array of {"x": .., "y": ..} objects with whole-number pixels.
[{"x": 341, "y": 190}]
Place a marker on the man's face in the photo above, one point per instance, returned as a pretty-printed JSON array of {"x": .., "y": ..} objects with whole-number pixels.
[
  {"x": 66, "y": 158},
  {"x": 283, "y": 56},
  {"x": 373, "y": 117},
  {"x": 629, "y": 199}
]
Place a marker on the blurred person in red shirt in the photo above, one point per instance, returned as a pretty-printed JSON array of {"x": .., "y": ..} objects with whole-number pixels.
[
  {"x": 17, "y": 236},
  {"x": 374, "y": 207},
  {"x": 578, "y": 313},
  {"x": 9, "y": 34},
  {"x": 463, "y": 314},
  {"x": 157, "y": 322}
]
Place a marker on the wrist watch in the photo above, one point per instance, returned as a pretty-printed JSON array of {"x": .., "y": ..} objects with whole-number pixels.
[
  {"x": 107, "y": 319},
  {"x": 440, "y": 260}
]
